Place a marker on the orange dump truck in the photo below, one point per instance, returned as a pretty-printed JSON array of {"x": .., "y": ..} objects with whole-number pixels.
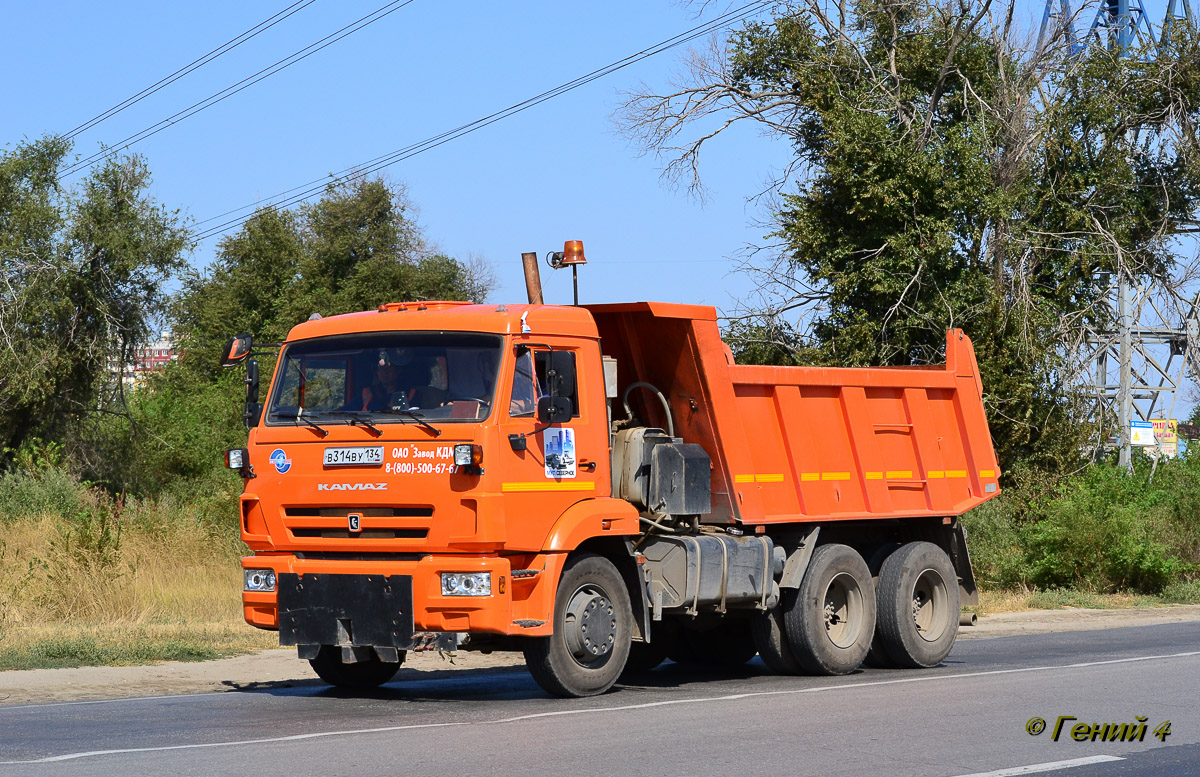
[{"x": 601, "y": 487}]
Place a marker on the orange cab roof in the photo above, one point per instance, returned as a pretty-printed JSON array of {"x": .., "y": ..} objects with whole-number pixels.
[{"x": 453, "y": 317}]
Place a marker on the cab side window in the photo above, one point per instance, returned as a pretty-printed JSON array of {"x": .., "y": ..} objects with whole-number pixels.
[
  {"x": 531, "y": 381},
  {"x": 524, "y": 395}
]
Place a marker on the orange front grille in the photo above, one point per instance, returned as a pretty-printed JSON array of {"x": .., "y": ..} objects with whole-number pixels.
[{"x": 409, "y": 522}]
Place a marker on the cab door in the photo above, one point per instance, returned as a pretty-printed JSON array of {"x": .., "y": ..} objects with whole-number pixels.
[{"x": 547, "y": 467}]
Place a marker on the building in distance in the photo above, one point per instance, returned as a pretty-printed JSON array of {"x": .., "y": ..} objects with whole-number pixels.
[{"x": 151, "y": 357}]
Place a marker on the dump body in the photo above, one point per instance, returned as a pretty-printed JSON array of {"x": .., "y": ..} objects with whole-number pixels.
[{"x": 807, "y": 444}]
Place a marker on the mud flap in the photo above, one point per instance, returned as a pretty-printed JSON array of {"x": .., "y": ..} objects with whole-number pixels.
[{"x": 347, "y": 610}]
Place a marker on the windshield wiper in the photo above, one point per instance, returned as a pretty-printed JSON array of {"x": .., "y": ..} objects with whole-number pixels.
[
  {"x": 420, "y": 419},
  {"x": 298, "y": 417},
  {"x": 357, "y": 418}
]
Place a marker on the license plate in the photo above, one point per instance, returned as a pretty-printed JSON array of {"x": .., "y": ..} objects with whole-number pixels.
[{"x": 369, "y": 456}]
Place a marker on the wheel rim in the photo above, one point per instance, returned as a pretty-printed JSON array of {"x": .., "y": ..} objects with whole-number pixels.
[
  {"x": 929, "y": 602},
  {"x": 590, "y": 625},
  {"x": 843, "y": 610}
]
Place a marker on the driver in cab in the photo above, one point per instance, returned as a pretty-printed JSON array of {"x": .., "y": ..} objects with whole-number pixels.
[{"x": 401, "y": 383}]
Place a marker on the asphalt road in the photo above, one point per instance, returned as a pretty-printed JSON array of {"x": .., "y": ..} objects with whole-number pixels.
[{"x": 966, "y": 717}]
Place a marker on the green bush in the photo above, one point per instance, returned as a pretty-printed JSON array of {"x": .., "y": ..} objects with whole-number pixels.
[
  {"x": 176, "y": 432},
  {"x": 51, "y": 491},
  {"x": 1182, "y": 592},
  {"x": 1097, "y": 530},
  {"x": 994, "y": 540}
]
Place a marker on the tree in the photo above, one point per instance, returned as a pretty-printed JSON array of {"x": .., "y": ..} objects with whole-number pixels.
[
  {"x": 945, "y": 175},
  {"x": 82, "y": 279},
  {"x": 352, "y": 250}
]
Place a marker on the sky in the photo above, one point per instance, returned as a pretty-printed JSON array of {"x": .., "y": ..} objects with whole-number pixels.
[{"x": 559, "y": 171}]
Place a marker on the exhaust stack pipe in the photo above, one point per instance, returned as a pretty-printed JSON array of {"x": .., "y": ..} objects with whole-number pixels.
[
  {"x": 967, "y": 619},
  {"x": 533, "y": 278}
]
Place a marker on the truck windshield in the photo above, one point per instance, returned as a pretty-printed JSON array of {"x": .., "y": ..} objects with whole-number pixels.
[{"x": 389, "y": 377}]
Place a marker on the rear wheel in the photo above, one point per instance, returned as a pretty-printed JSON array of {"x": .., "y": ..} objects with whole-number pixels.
[
  {"x": 918, "y": 605},
  {"x": 593, "y": 622},
  {"x": 830, "y": 619},
  {"x": 360, "y": 675},
  {"x": 729, "y": 643},
  {"x": 770, "y": 635},
  {"x": 877, "y": 656},
  {"x": 645, "y": 656}
]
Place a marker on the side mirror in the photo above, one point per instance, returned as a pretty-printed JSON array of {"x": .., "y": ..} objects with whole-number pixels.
[
  {"x": 253, "y": 410},
  {"x": 560, "y": 374},
  {"x": 236, "y": 350},
  {"x": 554, "y": 410}
]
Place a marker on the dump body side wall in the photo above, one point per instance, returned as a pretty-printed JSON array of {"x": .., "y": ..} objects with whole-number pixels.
[{"x": 797, "y": 444}]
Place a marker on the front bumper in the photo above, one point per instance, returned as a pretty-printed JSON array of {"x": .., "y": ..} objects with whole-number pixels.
[{"x": 516, "y": 606}]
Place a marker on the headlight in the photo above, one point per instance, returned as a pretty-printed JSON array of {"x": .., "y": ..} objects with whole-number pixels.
[
  {"x": 468, "y": 455},
  {"x": 238, "y": 458},
  {"x": 259, "y": 579},
  {"x": 466, "y": 584}
]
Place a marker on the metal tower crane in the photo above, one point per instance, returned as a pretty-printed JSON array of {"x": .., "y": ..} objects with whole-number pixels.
[{"x": 1133, "y": 365}]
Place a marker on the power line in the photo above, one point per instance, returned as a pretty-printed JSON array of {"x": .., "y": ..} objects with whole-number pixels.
[
  {"x": 311, "y": 189},
  {"x": 192, "y": 66},
  {"x": 245, "y": 83}
]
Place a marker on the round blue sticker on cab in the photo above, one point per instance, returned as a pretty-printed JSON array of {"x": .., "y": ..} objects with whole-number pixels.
[{"x": 280, "y": 460}]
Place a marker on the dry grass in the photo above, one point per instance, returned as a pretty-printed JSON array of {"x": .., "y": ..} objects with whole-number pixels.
[
  {"x": 57, "y": 645},
  {"x": 131, "y": 588},
  {"x": 1021, "y": 600}
]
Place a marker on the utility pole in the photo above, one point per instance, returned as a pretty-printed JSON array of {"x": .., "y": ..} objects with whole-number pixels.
[{"x": 1125, "y": 415}]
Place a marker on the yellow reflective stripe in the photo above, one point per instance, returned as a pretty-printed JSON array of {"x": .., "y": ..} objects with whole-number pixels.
[
  {"x": 987, "y": 473},
  {"x": 899, "y": 474},
  {"x": 835, "y": 476},
  {"x": 550, "y": 485},
  {"x": 956, "y": 473},
  {"x": 935, "y": 474},
  {"x": 778, "y": 478},
  {"x": 874, "y": 475},
  {"x": 809, "y": 476},
  {"x": 743, "y": 478}
]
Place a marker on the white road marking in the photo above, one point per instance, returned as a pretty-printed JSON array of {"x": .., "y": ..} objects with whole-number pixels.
[
  {"x": 1046, "y": 767},
  {"x": 620, "y": 708},
  {"x": 292, "y": 738}
]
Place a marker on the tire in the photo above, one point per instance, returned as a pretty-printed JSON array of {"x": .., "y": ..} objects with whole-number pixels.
[
  {"x": 359, "y": 676},
  {"x": 770, "y": 636},
  {"x": 830, "y": 619},
  {"x": 728, "y": 644},
  {"x": 918, "y": 605},
  {"x": 877, "y": 656},
  {"x": 593, "y": 623},
  {"x": 645, "y": 656}
]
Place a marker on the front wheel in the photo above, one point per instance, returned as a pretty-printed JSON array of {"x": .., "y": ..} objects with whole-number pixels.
[
  {"x": 593, "y": 623},
  {"x": 361, "y": 675}
]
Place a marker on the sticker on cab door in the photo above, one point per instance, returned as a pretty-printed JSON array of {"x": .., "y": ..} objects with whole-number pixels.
[{"x": 560, "y": 452}]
